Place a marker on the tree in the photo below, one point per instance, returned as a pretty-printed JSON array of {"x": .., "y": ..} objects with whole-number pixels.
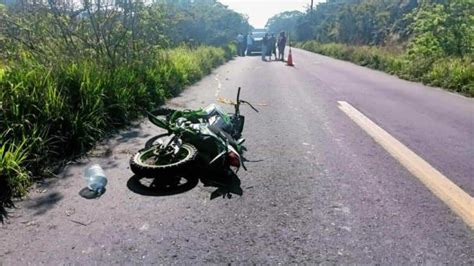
[
  {"x": 355, "y": 21},
  {"x": 202, "y": 22},
  {"x": 286, "y": 21},
  {"x": 113, "y": 32},
  {"x": 443, "y": 29}
]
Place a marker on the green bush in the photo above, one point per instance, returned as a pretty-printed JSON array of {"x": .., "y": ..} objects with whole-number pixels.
[
  {"x": 230, "y": 50},
  {"x": 55, "y": 112},
  {"x": 12, "y": 156},
  {"x": 456, "y": 74}
]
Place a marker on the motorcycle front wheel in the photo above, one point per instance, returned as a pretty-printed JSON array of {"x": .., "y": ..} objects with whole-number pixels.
[{"x": 150, "y": 162}]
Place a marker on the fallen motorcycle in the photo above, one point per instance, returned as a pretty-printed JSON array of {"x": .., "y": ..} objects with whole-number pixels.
[{"x": 205, "y": 138}]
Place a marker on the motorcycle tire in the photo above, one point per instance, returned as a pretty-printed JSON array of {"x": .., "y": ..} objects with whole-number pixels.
[{"x": 140, "y": 166}]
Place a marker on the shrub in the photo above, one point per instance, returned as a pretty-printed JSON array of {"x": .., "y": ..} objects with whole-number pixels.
[{"x": 453, "y": 73}]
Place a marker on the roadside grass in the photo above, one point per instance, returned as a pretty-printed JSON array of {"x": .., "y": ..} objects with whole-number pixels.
[
  {"x": 451, "y": 73},
  {"x": 49, "y": 113}
]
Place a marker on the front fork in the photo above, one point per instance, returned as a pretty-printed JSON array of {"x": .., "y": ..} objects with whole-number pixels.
[{"x": 171, "y": 148}]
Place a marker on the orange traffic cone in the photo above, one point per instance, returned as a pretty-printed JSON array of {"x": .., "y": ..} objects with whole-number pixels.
[{"x": 289, "y": 62}]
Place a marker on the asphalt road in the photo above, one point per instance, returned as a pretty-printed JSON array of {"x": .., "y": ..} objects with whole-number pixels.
[{"x": 322, "y": 190}]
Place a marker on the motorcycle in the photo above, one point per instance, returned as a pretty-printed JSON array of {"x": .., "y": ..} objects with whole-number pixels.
[{"x": 206, "y": 138}]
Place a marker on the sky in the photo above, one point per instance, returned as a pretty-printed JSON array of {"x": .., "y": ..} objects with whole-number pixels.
[{"x": 259, "y": 11}]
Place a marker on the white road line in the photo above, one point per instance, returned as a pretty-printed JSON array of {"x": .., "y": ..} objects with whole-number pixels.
[{"x": 453, "y": 196}]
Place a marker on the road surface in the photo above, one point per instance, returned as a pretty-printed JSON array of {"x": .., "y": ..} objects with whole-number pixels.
[{"x": 321, "y": 189}]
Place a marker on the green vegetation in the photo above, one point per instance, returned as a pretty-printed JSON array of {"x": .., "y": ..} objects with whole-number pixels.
[
  {"x": 429, "y": 40},
  {"x": 70, "y": 75},
  {"x": 286, "y": 21}
]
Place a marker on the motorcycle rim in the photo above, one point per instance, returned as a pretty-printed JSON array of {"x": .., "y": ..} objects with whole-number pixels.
[{"x": 148, "y": 163}]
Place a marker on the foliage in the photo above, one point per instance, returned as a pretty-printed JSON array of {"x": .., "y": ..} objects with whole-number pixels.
[
  {"x": 441, "y": 48},
  {"x": 198, "y": 22},
  {"x": 285, "y": 21},
  {"x": 114, "y": 32},
  {"x": 453, "y": 73},
  {"x": 446, "y": 23},
  {"x": 355, "y": 21},
  {"x": 14, "y": 178},
  {"x": 441, "y": 30}
]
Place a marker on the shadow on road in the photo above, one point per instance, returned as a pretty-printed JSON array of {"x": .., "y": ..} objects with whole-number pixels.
[
  {"x": 42, "y": 204},
  {"x": 161, "y": 187},
  {"x": 226, "y": 184}
]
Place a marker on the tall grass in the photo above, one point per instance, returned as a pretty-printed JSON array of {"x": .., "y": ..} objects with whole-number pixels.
[
  {"x": 456, "y": 74},
  {"x": 53, "y": 112}
]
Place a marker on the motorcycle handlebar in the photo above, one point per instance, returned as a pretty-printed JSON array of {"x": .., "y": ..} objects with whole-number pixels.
[
  {"x": 255, "y": 109},
  {"x": 239, "y": 101},
  {"x": 238, "y": 95}
]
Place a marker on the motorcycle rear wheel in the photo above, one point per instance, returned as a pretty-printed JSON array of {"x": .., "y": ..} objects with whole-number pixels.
[{"x": 142, "y": 163}]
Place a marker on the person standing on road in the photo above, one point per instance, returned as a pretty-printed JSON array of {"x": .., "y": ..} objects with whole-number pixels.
[
  {"x": 249, "y": 43},
  {"x": 240, "y": 44},
  {"x": 281, "y": 46},
  {"x": 272, "y": 47},
  {"x": 264, "y": 47}
]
